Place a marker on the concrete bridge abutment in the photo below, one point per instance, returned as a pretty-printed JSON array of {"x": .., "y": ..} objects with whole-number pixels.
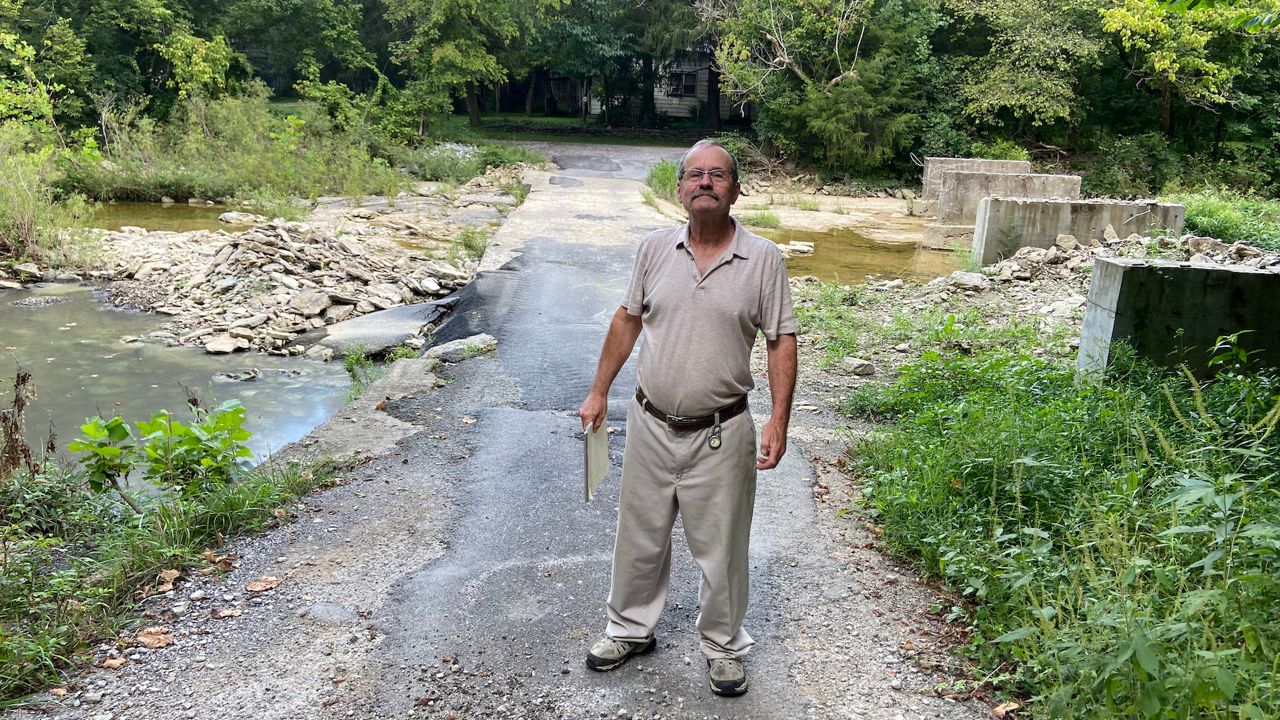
[{"x": 1174, "y": 313}]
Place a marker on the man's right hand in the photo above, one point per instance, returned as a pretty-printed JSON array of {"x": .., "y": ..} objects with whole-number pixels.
[{"x": 593, "y": 411}]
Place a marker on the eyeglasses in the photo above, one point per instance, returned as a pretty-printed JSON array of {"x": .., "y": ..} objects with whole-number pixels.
[{"x": 718, "y": 177}]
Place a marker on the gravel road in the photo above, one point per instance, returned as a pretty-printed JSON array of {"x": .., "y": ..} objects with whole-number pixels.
[{"x": 456, "y": 572}]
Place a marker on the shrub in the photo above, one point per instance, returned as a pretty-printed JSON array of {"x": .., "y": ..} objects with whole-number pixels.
[
  {"x": 1138, "y": 166},
  {"x": 35, "y": 223},
  {"x": 230, "y": 147},
  {"x": 1117, "y": 542},
  {"x": 763, "y": 218},
  {"x": 662, "y": 180},
  {"x": 1000, "y": 149},
  {"x": 1231, "y": 217}
]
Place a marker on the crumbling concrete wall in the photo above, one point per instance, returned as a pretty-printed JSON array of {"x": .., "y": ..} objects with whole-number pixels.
[
  {"x": 934, "y": 167},
  {"x": 1174, "y": 312},
  {"x": 961, "y": 192},
  {"x": 1005, "y": 224}
]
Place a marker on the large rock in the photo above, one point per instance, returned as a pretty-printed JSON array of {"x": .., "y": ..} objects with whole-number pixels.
[
  {"x": 970, "y": 281},
  {"x": 310, "y": 302},
  {"x": 221, "y": 344},
  {"x": 459, "y": 350},
  {"x": 379, "y": 332}
]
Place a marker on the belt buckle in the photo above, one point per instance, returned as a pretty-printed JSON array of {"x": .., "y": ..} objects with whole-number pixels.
[{"x": 675, "y": 421}]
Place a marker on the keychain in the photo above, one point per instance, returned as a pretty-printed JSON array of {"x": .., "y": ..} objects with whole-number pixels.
[{"x": 714, "y": 440}]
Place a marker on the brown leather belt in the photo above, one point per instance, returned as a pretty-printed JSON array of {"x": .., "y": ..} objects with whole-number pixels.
[{"x": 696, "y": 422}]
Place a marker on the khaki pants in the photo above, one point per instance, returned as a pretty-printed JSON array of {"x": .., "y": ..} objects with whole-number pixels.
[{"x": 664, "y": 473}]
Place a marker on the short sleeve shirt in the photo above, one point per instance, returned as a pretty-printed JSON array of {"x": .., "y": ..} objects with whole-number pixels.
[{"x": 695, "y": 356}]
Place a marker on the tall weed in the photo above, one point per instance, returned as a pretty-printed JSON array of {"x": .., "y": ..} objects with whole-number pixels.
[{"x": 1118, "y": 543}]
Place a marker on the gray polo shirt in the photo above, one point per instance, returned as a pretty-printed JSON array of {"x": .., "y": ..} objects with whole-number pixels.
[{"x": 698, "y": 330}]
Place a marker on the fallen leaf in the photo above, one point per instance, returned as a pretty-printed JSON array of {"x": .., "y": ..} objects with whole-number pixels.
[
  {"x": 263, "y": 584},
  {"x": 220, "y": 613},
  {"x": 113, "y": 663},
  {"x": 279, "y": 512},
  {"x": 155, "y": 637},
  {"x": 58, "y": 692},
  {"x": 166, "y": 580},
  {"x": 1003, "y": 710},
  {"x": 223, "y": 562},
  {"x": 908, "y": 646},
  {"x": 330, "y": 701}
]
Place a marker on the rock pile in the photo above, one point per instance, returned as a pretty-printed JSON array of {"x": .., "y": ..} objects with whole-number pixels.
[
  {"x": 262, "y": 288},
  {"x": 1070, "y": 259}
]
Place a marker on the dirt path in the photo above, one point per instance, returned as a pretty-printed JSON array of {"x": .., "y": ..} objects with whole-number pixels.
[{"x": 456, "y": 572}]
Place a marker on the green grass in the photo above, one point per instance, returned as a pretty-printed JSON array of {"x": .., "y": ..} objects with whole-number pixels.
[
  {"x": 804, "y": 203},
  {"x": 1117, "y": 545},
  {"x": 1231, "y": 217},
  {"x": 763, "y": 218},
  {"x": 76, "y": 561}
]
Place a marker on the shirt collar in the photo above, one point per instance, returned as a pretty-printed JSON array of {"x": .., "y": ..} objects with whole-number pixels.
[{"x": 736, "y": 246}]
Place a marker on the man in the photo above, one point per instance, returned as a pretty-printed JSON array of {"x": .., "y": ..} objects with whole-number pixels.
[{"x": 701, "y": 293}]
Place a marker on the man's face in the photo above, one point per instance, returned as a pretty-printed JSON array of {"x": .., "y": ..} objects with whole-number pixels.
[{"x": 707, "y": 186}]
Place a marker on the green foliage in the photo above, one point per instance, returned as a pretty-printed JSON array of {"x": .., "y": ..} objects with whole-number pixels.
[
  {"x": 194, "y": 459},
  {"x": 1231, "y": 217},
  {"x": 227, "y": 148},
  {"x": 452, "y": 162},
  {"x": 473, "y": 240},
  {"x": 1139, "y": 166},
  {"x": 1000, "y": 149},
  {"x": 662, "y": 181},
  {"x": 74, "y": 565},
  {"x": 34, "y": 222},
  {"x": 762, "y": 218},
  {"x": 1117, "y": 542}
]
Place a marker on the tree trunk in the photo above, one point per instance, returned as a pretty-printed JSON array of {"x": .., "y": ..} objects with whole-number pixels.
[
  {"x": 528, "y": 94},
  {"x": 648, "y": 110},
  {"x": 1218, "y": 127},
  {"x": 586, "y": 97},
  {"x": 497, "y": 98},
  {"x": 604, "y": 102},
  {"x": 473, "y": 105},
  {"x": 1166, "y": 112},
  {"x": 712, "y": 121}
]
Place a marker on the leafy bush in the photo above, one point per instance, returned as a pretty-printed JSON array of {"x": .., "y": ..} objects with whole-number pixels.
[
  {"x": 73, "y": 560},
  {"x": 1000, "y": 149},
  {"x": 1119, "y": 542},
  {"x": 1138, "y": 166},
  {"x": 34, "y": 222},
  {"x": 226, "y": 148},
  {"x": 662, "y": 180},
  {"x": 1231, "y": 217}
]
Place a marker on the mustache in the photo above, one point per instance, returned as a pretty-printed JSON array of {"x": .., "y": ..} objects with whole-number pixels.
[{"x": 709, "y": 193}]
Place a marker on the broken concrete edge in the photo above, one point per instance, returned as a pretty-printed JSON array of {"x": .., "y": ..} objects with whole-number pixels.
[
  {"x": 935, "y": 166},
  {"x": 466, "y": 348},
  {"x": 362, "y": 429},
  {"x": 1175, "y": 312},
  {"x": 1006, "y": 224}
]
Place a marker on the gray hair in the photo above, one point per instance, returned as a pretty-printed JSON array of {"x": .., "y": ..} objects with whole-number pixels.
[{"x": 709, "y": 142}]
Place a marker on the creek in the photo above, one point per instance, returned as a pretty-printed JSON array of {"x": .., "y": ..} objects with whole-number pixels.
[
  {"x": 845, "y": 256},
  {"x": 71, "y": 344}
]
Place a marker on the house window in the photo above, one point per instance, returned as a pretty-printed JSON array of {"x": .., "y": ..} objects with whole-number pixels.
[{"x": 684, "y": 84}]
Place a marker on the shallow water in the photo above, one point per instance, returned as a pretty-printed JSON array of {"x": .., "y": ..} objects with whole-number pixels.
[
  {"x": 80, "y": 368},
  {"x": 847, "y": 257},
  {"x": 175, "y": 217}
]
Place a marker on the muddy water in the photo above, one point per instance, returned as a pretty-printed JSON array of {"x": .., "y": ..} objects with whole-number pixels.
[
  {"x": 847, "y": 257},
  {"x": 80, "y": 367},
  {"x": 176, "y": 217}
]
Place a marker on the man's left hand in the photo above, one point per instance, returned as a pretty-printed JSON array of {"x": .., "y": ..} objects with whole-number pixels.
[{"x": 773, "y": 445}]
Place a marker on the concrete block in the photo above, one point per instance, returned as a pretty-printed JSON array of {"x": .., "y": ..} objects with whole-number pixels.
[
  {"x": 1174, "y": 312},
  {"x": 1005, "y": 224},
  {"x": 935, "y": 166},
  {"x": 961, "y": 192}
]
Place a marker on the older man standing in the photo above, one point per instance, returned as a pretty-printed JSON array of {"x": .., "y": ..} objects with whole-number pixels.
[{"x": 701, "y": 293}]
